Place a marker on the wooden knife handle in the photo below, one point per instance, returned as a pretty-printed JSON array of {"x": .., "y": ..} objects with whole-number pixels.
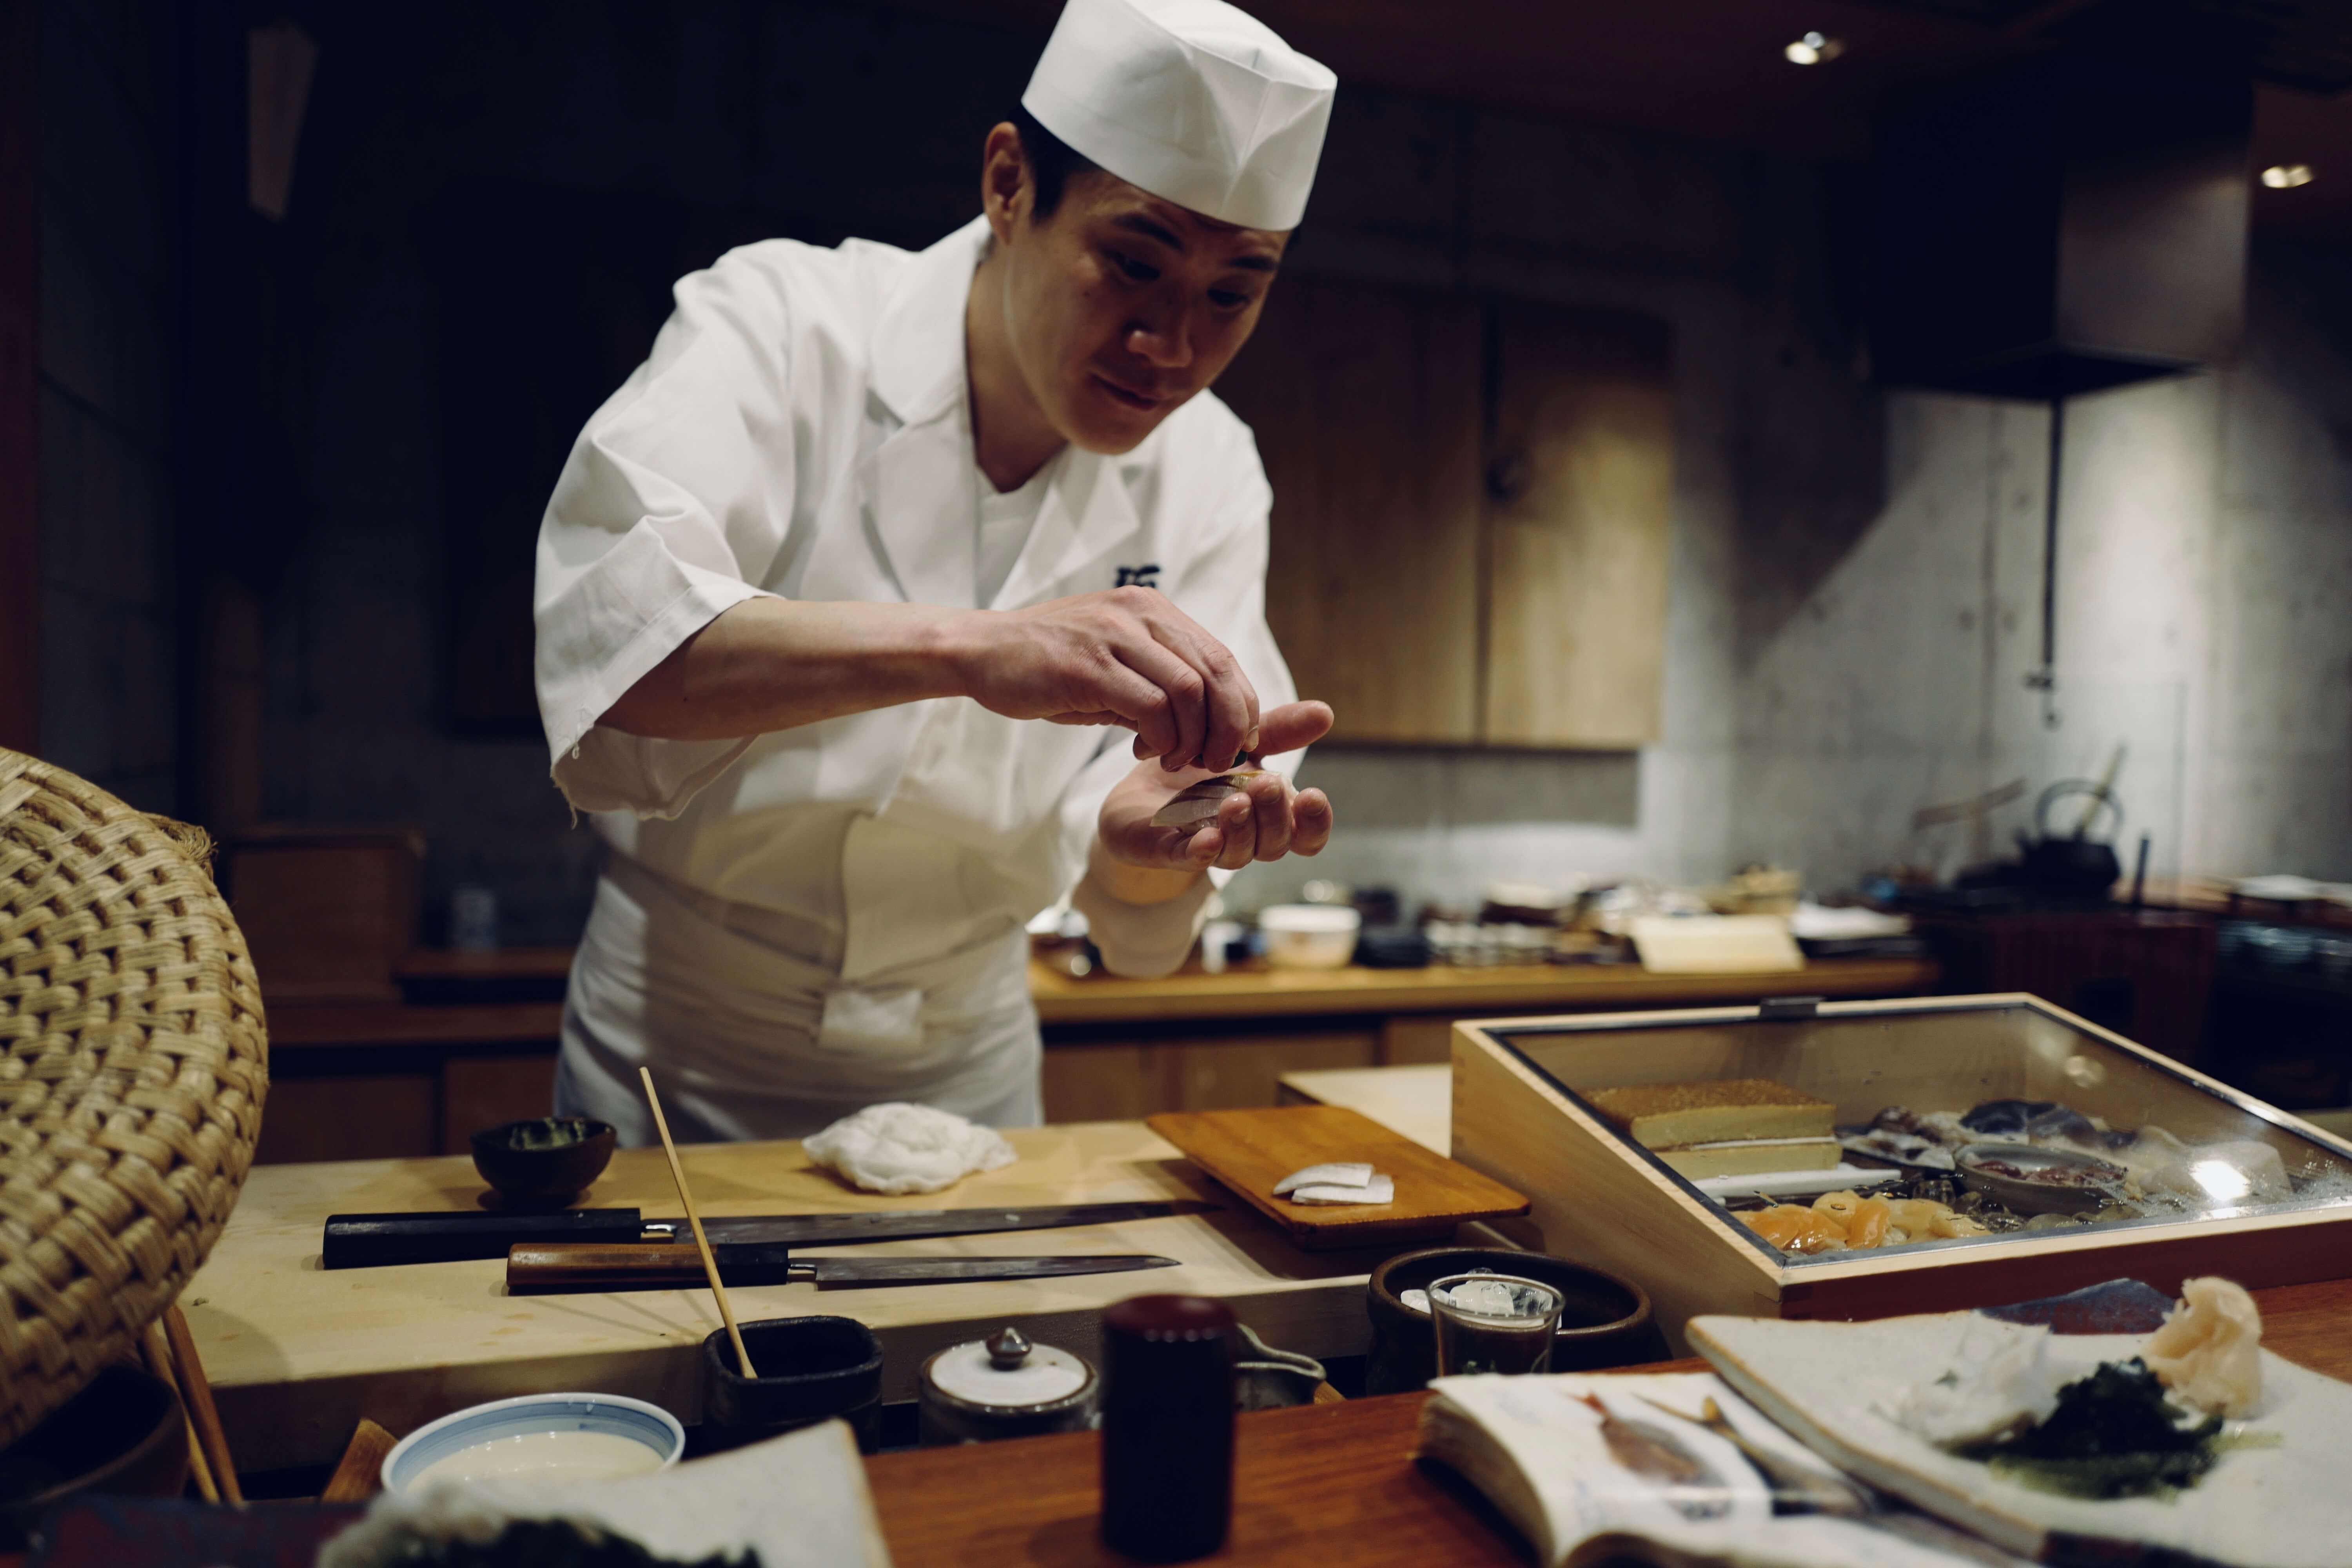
[{"x": 575, "y": 1265}]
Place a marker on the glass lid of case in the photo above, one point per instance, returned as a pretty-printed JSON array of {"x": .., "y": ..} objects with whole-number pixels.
[{"x": 1928, "y": 1126}]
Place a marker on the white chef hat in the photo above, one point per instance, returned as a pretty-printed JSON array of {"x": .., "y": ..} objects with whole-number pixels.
[{"x": 1194, "y": 100}]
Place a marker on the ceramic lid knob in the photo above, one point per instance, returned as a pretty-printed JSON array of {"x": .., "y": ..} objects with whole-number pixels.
[{"x": 1007, "y": 1348}]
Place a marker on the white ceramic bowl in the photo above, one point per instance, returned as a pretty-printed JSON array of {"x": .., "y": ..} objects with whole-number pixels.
[
  {"x": 1310, "y": 936},
  {"x": 613, "y": 1414}
]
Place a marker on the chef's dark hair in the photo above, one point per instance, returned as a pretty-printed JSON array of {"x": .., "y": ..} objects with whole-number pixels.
[{"x": 1052, "y": 162}]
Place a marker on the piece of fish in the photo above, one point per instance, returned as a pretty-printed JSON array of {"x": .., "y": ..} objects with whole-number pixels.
[
  {"x": 1339, "y": 1174},
  {"x": 1197, "y": 804},
  {"x": 1379, "y": 1190}
]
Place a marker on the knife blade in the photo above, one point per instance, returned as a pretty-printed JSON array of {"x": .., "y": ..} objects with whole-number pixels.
[
  {"x": 539, "y": 1271},
  {"x": 374, "y": 1240}
]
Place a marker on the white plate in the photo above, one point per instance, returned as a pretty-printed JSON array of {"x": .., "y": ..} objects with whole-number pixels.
[{"x": 2287, "y": 1507}]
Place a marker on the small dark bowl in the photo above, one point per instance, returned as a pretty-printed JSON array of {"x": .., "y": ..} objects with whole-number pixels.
[
  {"x": 810, "y": 1370},
  {"x": 544, "y": 1160},
  {"x": 123, "y": 1436},
  {"x": 1606, "y": 1320}
]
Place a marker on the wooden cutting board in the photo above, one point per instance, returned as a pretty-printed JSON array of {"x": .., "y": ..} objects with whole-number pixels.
[{"x": 1250, "y": 1150}]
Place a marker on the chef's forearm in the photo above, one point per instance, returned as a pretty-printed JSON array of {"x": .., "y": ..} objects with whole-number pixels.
[
  {"x": 771, "y": 664},
  {"x": 1140, "y": 885}
]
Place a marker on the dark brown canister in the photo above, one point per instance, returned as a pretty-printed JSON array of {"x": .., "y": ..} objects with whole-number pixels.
[{"x": 1168, "y": 1426}]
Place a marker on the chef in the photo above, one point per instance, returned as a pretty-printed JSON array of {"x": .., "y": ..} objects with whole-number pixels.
[{"x": 895, "y": 594}]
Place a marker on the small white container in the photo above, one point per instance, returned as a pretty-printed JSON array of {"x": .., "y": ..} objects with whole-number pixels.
[
  {"x": 1310, "y": 936},
  {"x": 529, "y": 1416}
]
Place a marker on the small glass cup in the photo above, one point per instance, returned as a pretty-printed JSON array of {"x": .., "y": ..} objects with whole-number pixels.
[{"x": 1493, "y": 1322}]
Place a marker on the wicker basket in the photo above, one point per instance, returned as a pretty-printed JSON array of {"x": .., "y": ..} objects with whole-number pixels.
[{"x": 132, "y": 1065}]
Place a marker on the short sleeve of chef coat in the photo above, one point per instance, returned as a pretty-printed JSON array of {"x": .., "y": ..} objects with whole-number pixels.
[
  {"x": 672, "y": 505},
  {"x": 1220, "y": 581}
]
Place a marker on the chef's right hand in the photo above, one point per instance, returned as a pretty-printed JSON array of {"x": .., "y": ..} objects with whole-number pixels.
[{"x": 1127, "y": 656}]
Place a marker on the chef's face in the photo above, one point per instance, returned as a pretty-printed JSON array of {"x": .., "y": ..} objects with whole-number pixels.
[{"x": 1119, "y": 306}]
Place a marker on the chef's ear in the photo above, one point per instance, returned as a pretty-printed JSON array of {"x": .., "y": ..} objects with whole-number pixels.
[{"x": 1008, "y": 190}]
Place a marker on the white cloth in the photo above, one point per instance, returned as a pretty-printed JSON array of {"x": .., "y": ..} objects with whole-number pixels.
[
  {"x": 801, "y": 429},
  {"x": 897, "y": 1148},
  {"x": 1194, "y": 100}
]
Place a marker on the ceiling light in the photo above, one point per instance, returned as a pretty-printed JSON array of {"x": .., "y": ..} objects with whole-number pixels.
[
  {"x": 2278, "y": 176},
  {"x": 1815, "y": 48}
]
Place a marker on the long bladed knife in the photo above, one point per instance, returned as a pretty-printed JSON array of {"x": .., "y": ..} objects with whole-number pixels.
[
  {"x": 373, "y": 1240},
  {"x": 538, "y": 1270}
]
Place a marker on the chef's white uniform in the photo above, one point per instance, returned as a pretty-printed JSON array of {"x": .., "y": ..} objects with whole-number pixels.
[{"x": 798, "y": 924}]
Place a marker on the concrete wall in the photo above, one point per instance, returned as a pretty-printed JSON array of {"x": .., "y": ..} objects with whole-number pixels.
[
  {"x": 108, "y": 597},
  {"x": 2204, "y": 618}
]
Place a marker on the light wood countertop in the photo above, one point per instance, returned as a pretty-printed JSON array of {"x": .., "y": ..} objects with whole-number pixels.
[
  {"x": 298, "y": 1354},
  {"x": 1440, "y": 988}
]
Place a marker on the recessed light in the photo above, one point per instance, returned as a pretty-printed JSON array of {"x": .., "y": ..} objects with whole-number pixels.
[
  {"x": 1813, "y": 49},
  {"x": 2284, "y": 176}
]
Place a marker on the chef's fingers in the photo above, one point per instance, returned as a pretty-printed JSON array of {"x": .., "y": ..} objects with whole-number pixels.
[
  {"x": 1101, "y": 716},
  {"x": 1181, "y": 710},
  {"x": 1291, "y": 725},
  {"x": 1269, "y": 796},
  {"x": 1310, "y": 822},
  {"x": 1229, "y": 699},
  {"x": 1237, "y": 821},
  {"x": 1134, "y": 683}
]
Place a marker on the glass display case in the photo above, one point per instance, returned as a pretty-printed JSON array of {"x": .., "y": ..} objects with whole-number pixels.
[{"x": 1858, "y": 1159}]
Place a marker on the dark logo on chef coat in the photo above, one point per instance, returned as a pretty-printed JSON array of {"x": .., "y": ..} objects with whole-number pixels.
[{"x": 1138, "y": 577}]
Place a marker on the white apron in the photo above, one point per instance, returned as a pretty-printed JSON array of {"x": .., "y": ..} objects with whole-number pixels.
[{"x": 751, "y": 1035}]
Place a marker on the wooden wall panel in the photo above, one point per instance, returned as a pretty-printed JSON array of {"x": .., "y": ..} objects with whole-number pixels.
[
  {"x": 20, "y": 376},
  {"x": 1582, "y": 489},
  {"x": 1365, "y": 403},
  {"x": 392, "y": 1116},
  {"x": 478, "y": 1092}
]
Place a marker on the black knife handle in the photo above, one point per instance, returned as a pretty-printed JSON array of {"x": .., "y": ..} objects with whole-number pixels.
[{"x": 373, "y": 1240}]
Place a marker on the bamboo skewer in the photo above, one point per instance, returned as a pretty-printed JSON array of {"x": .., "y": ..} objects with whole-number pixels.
[
  {"x": 694, "y": 1219},
  {"x": 202, "y": 1415},
  {"x": 158, "y": 1356}
]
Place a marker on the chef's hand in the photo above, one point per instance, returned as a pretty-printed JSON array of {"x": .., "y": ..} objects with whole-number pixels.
[
  {"x": 1127, "y": 656},
  {"x": 1264, "y": 820}
]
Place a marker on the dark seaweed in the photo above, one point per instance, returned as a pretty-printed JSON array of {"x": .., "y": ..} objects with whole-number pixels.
[
  {"x": 553, "y": 1543},
  {"x": 2113, "y": 1435}
]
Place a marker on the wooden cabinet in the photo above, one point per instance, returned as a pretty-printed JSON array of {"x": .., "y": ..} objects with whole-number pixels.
[
  {"x": 1579, "y": 487},
  {"x": 1471, "y": 503},
  {"x": 1365, "y": 404}
]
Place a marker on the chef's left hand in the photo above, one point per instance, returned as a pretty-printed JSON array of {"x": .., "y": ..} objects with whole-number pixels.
[{"x": 1264, "y": 821}]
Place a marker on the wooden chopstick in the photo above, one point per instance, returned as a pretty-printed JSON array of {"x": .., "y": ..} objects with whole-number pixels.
[
  {"x": 710, "y": 1264},
  {"x": 157, "y": 1352},
  {"x": 201, "y": 1413},
  {"x": 359, "y": 1474}
]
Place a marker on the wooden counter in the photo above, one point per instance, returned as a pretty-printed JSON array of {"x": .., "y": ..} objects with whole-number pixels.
[
  {"x": 1118, "y": 1049},
  {"x": 1442, "y": 988},
  {"x": 298, "y": 1354},
  {"x": 1317, "y": 1485}
]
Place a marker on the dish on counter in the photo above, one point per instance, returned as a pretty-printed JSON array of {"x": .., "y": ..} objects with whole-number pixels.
[
  {"x": 553, "y": 1437},
  {"x": 2188, "y": 1442}
]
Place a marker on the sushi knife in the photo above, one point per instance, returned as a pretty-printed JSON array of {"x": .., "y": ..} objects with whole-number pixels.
[
  {"x": 560, "y": 1266},
  {"x": 371, "y": 1240}
]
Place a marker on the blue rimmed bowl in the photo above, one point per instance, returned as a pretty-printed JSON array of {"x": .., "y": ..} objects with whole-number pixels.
[{"x": 527, "y": 1416}]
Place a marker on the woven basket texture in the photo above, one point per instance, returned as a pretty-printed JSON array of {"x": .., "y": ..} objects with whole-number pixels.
[{"x": 133, "y": 1060}]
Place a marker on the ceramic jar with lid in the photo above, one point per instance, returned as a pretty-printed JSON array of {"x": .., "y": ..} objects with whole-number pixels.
[{"x": 1003, "y": 1386}]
